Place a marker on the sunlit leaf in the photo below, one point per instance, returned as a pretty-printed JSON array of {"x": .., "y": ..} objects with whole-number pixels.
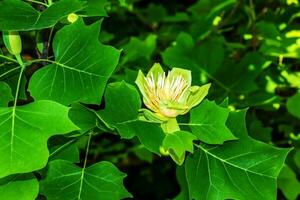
[
  {"x": 236, "y": 170},
  {"x": 101, "y": 181},
  {"x": 24, "y": 131},
  {"x": 22, "y": 186},
  {"x": 81, "y": 68},
  {"x": 208, "y": 123}
]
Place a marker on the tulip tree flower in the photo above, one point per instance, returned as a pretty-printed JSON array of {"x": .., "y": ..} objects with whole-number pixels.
[{"x": 169, "y": 95}]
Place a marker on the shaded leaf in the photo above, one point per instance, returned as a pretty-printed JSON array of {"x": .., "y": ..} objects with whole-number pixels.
[
  {"x": 137, "y": 48},
  {"x": 293, "y": 105},
  {"x": 95, "y": 8},
  {"x": 6, "y": 95},
  {"x": 288, "y": 183},
  {"x": 184, "y": 191},
  {"x": 185, "y": 53},
  {"x": 83, "y": 117},
  {"x": 67, "y": 151}
]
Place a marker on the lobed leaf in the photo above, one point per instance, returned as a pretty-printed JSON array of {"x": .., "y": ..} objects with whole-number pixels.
[
  {"x": 24, "y": 131},
  {"x": 81, "y": 69},
  {"x": 22, "y": 186},
  {"x": 101, "y": 181},
  {"x": 208, "y": 123},
  {"x": 18, "y": 15},
  {"x": 236, "y": 170}
]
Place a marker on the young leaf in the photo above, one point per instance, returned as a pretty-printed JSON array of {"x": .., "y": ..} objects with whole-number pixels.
[
  {"x": 22, "y": 186},
  {"x": 101, "y": 181},
  {"x": 177, "y": 143},
  {"x": 236, "y": 170},
  {"x": 24, "y": 131},
  {"x": 208, "y": 123},
  {"x": 20, "y": 16},
  {"x": 81, "y": 70}
]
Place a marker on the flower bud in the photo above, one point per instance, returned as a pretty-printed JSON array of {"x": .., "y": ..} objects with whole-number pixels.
[
  {"x": 72, "y": 17},
  {"x": 12, "y": 41}
]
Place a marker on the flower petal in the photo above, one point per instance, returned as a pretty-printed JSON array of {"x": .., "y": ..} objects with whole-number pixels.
[
  {"x": 140, "y": 82},
  {"x": 186, "y": 75},
  {"x": 197, "y": 94},
  {"x": 156, "y": 69}
]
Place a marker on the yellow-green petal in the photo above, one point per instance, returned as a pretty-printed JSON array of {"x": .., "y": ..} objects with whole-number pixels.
[
  {"x": 186, "y": 74},
  {"x": 155, "y": 70},
  {"x": 197, "y": 94},
  {"x": 140, "y": 82},
  {"x": 154, "y": 117}
]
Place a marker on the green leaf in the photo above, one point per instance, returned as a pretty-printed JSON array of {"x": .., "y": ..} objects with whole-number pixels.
[
  {"x": 69, "y": 153},
  {"x": 297, "y": 159},
  {"x": 83, "y": 117},
  {"x": 288, "y": 183},
  {"x": 122, "y": 104},
  {"x": 20, "y": 16},
  {"x": 150, "y": 134},
  {"x": 24, "y": 131},
  {"x": 99, "y": 181},
  {"x": 185, "y": 53},
  {"x": 9, "y": 73},
  {"x": 236, "y": 170},
  {"x": 177, "y": 143},
  {"x": 6, "y": 95},
  {"x": 204, "y": 13},
  {"x": 293, "y": 78},
  {"x": 95, "y": 8},
  {"x": 184, "y": 191},
  {"x": 259, "y": 132},
  {"x": 136, "y": 48},
  {"x": 143, "y": 154},
  {"x": 293, "y": 105},
  {"x": 208, "y": 123},
  {"x": 82, "y": 67},
  {"x": 241, "y": 77},
  {"x": 63, "y": 148},
  {"x": 20, "y": 186}
]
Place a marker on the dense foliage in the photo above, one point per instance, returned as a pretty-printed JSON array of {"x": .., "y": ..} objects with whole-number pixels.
[{"x": 84, "y": 115}]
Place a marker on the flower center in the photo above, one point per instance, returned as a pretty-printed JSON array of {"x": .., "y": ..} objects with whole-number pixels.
[{"x": 164, "y": 88}]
